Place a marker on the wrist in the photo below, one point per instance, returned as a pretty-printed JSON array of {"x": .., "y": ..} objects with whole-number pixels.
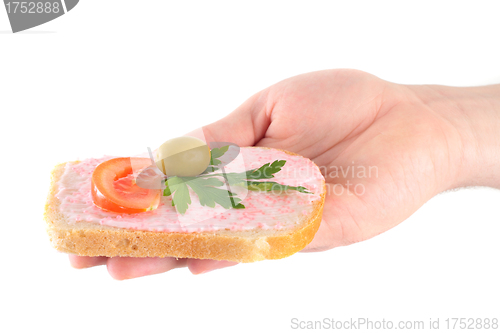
[{"x": 474, "y": 138}]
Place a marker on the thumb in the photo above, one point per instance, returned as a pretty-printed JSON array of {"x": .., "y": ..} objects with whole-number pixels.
[
  {"x": 341, "y": 224},
  {"x": 245, "y": 126}
]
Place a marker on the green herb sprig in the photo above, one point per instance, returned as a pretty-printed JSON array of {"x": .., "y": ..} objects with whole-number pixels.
[{"x": 209, "y": 185}]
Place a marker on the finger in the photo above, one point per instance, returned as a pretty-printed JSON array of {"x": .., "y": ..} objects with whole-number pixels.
[
  {"x": 322, "y": 239},
  {"x": 86, "y": 262},
  {"x": 244, "y": 126},
  {"x": 199, "y": 266},
  {"x": 338, "y": 226},
  {"x": 122, "y": 268}
]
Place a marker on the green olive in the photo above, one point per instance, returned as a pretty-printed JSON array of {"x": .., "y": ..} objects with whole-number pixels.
[{"x": 184, "y": 156}]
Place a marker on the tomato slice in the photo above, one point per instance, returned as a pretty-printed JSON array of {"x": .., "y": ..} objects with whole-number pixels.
[{"x": 114, "y": 188}]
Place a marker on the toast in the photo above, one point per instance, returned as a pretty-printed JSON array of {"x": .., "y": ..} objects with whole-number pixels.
[{"x": 261, "y": 238}]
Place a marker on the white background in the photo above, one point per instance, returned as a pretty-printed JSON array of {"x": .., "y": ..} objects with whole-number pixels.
[{"x": 114, "y": 77}]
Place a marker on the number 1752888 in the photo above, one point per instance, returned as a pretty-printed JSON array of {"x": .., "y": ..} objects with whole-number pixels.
[{"x": 32, "y": 7}]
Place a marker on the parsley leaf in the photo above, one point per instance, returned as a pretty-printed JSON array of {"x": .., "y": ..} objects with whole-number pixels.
[
  {"x": 215, "y": 153},
  {"x": 266, "y": 171},
  {"x": 207, "y": 190},
  {"x": 274, "y": 187},
  {"x": 209, "y": 193},
  {"x": 181, "y": 199}
]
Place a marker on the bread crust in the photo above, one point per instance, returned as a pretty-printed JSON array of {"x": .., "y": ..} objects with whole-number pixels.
[{"x": 219, "y": 245}]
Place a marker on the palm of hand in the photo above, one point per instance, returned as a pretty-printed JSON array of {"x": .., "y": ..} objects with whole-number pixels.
[{"x": 382, "y": 152}]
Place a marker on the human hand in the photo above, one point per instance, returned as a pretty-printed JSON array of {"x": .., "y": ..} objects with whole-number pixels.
[{"x": 384, "y": 149}]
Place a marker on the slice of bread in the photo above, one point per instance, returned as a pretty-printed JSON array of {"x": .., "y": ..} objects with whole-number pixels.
[{"x": 93, "y": 239}]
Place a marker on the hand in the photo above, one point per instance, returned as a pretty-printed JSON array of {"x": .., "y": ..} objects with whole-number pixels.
[{"x": 384, "y": 149}]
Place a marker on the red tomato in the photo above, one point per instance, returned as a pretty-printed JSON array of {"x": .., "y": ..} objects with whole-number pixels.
[{"x": 114, "y": 188}]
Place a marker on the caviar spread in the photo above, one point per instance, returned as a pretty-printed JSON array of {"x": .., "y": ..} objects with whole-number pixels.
[{"x": 263, "y": 210}]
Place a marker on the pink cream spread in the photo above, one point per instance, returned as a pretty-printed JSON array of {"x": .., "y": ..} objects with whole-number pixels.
[{"x": 264, "y": 210}]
